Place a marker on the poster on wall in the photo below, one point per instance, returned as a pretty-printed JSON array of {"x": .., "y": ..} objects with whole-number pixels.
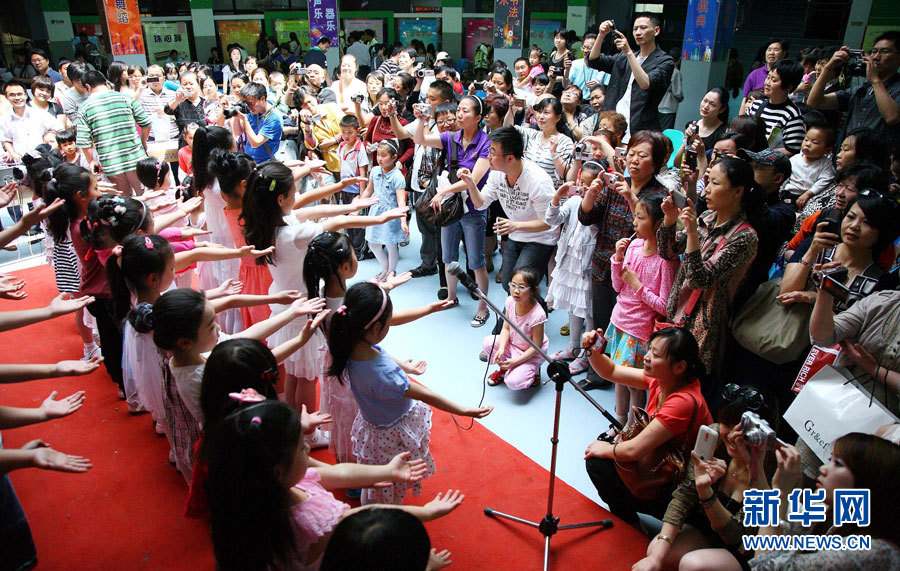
[
  {"x": 163, "y": 37},
  {"x": 123, "y": 21},
  {"x": 283, "y": 29},
  {"x": 425, "y": 30},
  {"x": 700, "y": 30},
  {"x": 360, "y": 24},
  {"x": 540, "y": 33},
  {"x": 508, "y": 19},
  {"x": 243, "y": 32},
  {"x": 725, "y": 33},
  {"x": 477, "y": 32},
  {"x": 873, "y": 32},
  {"x": 323, "y": 21}
]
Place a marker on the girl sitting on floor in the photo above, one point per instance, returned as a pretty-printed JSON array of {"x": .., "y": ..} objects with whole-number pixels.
[{"x": 520, "y": 364}]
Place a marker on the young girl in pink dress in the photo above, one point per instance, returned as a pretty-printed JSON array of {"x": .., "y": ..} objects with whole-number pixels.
[
  {"x": 520, "y": 364},
  {"x": 269, "y": 509},
  {"x": 643, "y": 280},
  {"x": 393, "y": 416}
]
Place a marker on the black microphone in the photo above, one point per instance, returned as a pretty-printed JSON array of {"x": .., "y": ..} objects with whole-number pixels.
[{"x": 454, "y": 269}]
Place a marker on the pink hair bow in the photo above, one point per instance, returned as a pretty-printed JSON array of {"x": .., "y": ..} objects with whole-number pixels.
[
  {"x": 247, "y": 395},
  {"x": 342, "y": 310},
  {"x": 148, "y": 242},
  {"x": 117, "y": 251}
]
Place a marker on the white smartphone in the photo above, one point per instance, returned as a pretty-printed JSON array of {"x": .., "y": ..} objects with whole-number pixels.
[{"x": 707, "y": 439}]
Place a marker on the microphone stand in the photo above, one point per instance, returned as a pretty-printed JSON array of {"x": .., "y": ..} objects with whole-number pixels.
[{"x": 558, "y": 371}]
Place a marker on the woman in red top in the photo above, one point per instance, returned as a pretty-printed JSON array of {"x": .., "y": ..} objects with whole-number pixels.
[
  {"x": 671, "y": 372},
  {"x": 380, "y": 128}
]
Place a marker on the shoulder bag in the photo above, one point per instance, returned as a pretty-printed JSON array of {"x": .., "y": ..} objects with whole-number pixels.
[
  {"x": 657, "y": 472},
  {"x": 452, "y": 208},
  {"x": 770, "y": 329}
]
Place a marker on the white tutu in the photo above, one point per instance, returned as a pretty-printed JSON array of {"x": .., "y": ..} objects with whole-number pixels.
[
  {"x": 570, "y": 288},
  {"x": 308, "y": 362},
  {"x": 142, "y": 371},
  {"x": 376, "y": 446}
]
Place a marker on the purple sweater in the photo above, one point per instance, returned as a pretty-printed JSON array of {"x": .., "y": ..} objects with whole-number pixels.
[{"x": 636, "y": 311}]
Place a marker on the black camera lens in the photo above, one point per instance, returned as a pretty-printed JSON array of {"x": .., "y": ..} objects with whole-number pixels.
[{"x": 18, "y": 173}]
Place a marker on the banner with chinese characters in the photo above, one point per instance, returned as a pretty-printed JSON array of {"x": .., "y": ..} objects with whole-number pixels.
[
  {"x": 700, "y": 30},
  {"x": 284, "y": 27},
  {"x": 163, "y": 37},
  {"x": 243, "y": 32},
  {"x": 425, "y": 30},
  {"x": 508, "y": 24},
  {"x": 478, "y": 31},
  {"x": 123, "y": 26},
  {"x": 323, "y": 21}
]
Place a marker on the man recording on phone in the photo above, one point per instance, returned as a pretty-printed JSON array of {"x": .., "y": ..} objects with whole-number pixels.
[
  {"x": 262, "y": 126},
  {"x": 637, "y": 82},
  {"x": 875, "y": 105}
]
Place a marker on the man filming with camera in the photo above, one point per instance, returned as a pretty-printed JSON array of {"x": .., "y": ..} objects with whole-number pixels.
[
  {"x": 262, "y": 125},
  {"x": 875, "y": 105}
]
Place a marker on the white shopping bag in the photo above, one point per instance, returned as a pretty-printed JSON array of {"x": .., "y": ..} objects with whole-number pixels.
[{"x": 829, "y": 407}]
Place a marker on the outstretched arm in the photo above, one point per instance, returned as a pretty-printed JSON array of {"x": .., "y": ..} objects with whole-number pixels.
[
  {"x": 429, "y": 397},
  {"x": 58, "y": 306},
  {"x": 20, "y": 373},
  {"x": 403, "y": 316}
]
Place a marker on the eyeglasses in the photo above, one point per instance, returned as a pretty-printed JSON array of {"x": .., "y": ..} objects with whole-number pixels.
[
  {"x": 881, "y": 51},
  {"x": 518, "y": 287},
  {"x": 732, "y": 392},
  {"x": 445, "y": 122},
  {"x": 491, "y": 153}
]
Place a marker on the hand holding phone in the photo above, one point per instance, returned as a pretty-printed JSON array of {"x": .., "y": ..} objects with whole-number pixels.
[{"x": 707, "y": 440}]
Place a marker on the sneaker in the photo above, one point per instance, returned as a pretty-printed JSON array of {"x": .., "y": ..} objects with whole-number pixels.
[
  {"x": 496, "y": 377},
  {"x": 318, "y": 439},
  {"x": 443, "y": 293},
  {"x": 564, "y": 331},
  {"x": 354, "y": 493},
  {"x": 482, "y": 357},
  {"x": 423, "y": 271}
]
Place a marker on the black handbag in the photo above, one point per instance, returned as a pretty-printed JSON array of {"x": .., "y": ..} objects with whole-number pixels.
[{"x": 452, "y": 208}]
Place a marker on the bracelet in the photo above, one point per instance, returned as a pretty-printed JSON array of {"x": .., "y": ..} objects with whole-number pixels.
[
  {"x": 616, "y": 458},
  {"x": 708, "y": 502},
  {"x": 805, "y": 263},
  {"x": 665, "y": 538}
]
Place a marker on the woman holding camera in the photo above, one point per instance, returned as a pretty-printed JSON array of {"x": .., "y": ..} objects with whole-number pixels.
[
  {"x": 547, "y": 146},
  {"x": 706, "y": 510},
  {"x": 348, "y": 86},
  {"x": 851, "y": 243},
  {"x": 713, "y": 122},
  {"x": 676, "y": 409},
  {"x": 320, "y": 124},
  {"x": 718, "y": 247}
]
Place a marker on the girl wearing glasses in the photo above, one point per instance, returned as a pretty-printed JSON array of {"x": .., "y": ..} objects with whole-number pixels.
[{"x": 520, "y": 364}]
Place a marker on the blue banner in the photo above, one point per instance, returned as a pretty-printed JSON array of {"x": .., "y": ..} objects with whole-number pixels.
[{"x": 700, "y": 30}]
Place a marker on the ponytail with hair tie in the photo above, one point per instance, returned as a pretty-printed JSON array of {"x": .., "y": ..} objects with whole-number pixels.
[{"x": 142, "y": 317}]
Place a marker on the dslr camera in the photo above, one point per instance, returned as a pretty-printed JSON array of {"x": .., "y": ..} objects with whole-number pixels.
[
  {"x": 358, "y": 98},
  {"x": 855, "y": 66},
  {"x": 242, "y": 107},
  {"x": 757, "y": 432}
]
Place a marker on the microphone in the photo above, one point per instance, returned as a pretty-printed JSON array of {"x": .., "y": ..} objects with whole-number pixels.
[{"x": 455, "y": 270}]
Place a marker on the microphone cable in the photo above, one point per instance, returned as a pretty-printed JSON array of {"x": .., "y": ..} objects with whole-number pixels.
[{"x": 487, "y": 367}]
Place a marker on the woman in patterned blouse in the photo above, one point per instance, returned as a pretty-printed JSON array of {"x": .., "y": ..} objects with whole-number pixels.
[{"x": 718, "y": 247}]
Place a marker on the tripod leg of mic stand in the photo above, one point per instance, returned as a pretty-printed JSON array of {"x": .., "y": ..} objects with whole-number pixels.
[{"x": 493, "y": 513}]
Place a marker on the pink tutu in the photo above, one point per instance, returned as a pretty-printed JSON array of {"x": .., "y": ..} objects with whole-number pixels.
[{"x": 376, "y": 446}]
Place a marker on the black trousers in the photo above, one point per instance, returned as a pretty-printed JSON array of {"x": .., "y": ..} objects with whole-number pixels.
[
  {"x": 110, "y": 338},
  {"x": 603, "y": 300},
  {"x": 615, "y": 493}
]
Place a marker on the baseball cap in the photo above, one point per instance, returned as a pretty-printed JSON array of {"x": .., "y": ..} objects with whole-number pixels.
[
  {"x": 442, "y": 55},
  {"x": 770, "y": 157}
]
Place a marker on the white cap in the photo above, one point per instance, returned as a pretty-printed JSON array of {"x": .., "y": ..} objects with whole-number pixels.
[{"x": 442, "y": 55}]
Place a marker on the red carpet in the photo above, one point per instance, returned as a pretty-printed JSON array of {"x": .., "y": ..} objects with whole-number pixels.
[{"x": 126, "y": 512}]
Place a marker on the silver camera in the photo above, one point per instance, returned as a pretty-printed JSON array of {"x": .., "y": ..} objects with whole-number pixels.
[{"x": 757, "y": 432}]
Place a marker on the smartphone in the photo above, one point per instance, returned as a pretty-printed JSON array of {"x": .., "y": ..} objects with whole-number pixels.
[
  {"x": 679, "y": 198},
  {"x": 707, "y": 440},
  {"x": 833, "y": 226},
  {"x": 690, "y": 158},
  {"x": 575, "y": 191}
]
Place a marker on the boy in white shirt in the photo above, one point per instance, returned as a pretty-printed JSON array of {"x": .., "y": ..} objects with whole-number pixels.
[{"x": 811, "y": 170}]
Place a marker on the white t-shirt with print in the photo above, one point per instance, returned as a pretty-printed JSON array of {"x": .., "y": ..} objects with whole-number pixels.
[{"x": 527, "y": 200}]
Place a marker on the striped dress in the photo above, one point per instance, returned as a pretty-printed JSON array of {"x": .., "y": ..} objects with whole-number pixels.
[
  {"x": 66, "y": 266},
  {"x": 537, "y": 152}
]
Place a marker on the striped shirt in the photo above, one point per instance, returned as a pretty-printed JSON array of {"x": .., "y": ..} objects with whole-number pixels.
[
  {"x": 539, "y": 152},
  {"x": 783, "y": 116},
  {"x": 152, "y": 104},
  {"x": 108, "y": 121}
]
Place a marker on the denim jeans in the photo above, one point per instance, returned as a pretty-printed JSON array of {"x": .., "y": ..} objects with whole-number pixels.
[
  {"x": 470, "y": 228},
  {"x": 524, "y": 254}
]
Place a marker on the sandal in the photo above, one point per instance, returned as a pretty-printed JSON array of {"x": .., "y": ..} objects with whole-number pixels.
[
  {"x": 496, "y": 378},
  {"x": 564, "y": 355},
  {"x": 479, "y": 320},
  {"x": 578, "y": 366}
]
